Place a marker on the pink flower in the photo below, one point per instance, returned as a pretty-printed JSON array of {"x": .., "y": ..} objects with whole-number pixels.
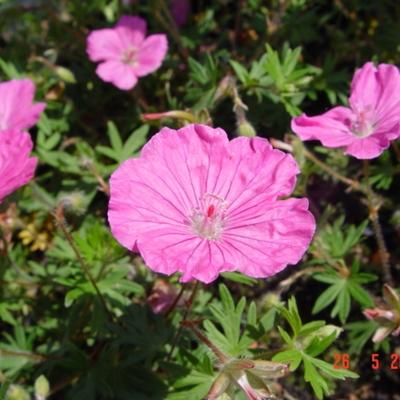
[
  {"x": 366, "y": 128},
  {"x": 16, "y": 167},
  {"x": 198, "y": 204},
  {"x": 17, "y": 110},
  {"x": 125, "y": 53}
]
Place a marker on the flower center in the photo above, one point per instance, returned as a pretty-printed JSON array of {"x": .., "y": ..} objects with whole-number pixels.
[
  {"x": 362, "y": 125},
  {"x": 208, "y": 220},
  {"x": 130, "y": 57}
]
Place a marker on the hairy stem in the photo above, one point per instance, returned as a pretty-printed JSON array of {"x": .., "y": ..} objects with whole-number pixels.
[
  {"x": 188, "y": 308},
  {"x": 218, "y": 353},
  {"x": 373, "y": 208},
  {"x": 175, "y": 302},
  {"x": 60, "y": 220},
  {"x": 356, "y": 185}
]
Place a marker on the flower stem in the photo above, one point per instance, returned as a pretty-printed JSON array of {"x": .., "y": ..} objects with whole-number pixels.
[
  {"x": 373, "y": 207},
  {"x": 188, "y": 308},
  {"x": 356, "y": 185},
  {"x": 60, "y": 220},
  {"x": 175, "y": 302},
  {"x": 218, "y": 353}
]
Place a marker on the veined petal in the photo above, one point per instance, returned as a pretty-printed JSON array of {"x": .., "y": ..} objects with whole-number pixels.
[
  {"x": 16, "y": 166},
  {"x": 131, "y": 30},
  {"x": 151, "y": 54},
  {"x": 17, "y": 110},
  {"x": 332, "y": 128},
  {"x": 365, "y": 88},
  {"x": 263, "y": 240},
  {"x": 119, "y": 74},
  {"x": 369, "y": 147},
  {"x": 104, "y": 44}
]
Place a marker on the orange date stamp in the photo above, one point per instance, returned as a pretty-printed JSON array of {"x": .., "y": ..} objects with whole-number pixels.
[{"x": 377, "y": 361}]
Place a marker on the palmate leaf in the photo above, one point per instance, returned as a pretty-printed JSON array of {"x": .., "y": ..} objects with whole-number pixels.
[
  {"x": 339, "y": 238},
  {"x": 304, "y": 345},
  {"x": 342, "y": 288},
  {"x": 16, "y": 352},
  {"x": 120, "y": 151},
  {"x": 230, "y": 340}
]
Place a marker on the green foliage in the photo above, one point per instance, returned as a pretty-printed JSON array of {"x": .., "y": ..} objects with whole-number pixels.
[
  {"x": 303, "y": 347},
  {"x": 278, "y": 77},
  {"x": 339, "y": 239},
  {"x": 76, "y": 308},
  {"x": 120, "y": 151},
  {"x": 344, "y": 285}
]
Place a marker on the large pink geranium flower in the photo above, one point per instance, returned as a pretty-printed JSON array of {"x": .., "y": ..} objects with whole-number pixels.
[
  {"x": 16, "y": 166},
  {"x": 125, "y": 52},
  {"x": 366, "y": 128},
  {"x": 199, "y": 204},
  {"x": 17, "y": 110}
]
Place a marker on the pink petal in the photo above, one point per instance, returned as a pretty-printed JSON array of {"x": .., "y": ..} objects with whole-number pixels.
[
  {"x": 368, "y": 147},
  {"x": 331, "y": 128},
  {"x": 117, "y": 73},
  {"x": 131, "y": 31},
  {"x": 388, "y": 105},
  {"x": 194, "y": 257},
  {"x": 151, "y": 54},
  {"x": 264, "y": 238},
  {"x": 17, "y": 110},
  {"x": 191, "y": 161},
  {"x": 365, "y": 89},
  {"x": 253, "y": 167},
  {"x": 104, "y": 44},
  {"x": 16, "y": 167},
  {"x": 143, "y": 199}
]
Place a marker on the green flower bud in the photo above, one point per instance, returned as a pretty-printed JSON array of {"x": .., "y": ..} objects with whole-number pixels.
[{"x": 42, "y": 387}]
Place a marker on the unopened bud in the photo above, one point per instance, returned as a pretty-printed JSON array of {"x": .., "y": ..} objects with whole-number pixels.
[
  {"x": 239, "y": 365},
  {"x": 219, "y": 386},
  {"x": 378, "y": 313},
  {"x": 381, "y": 333},
  {"x": 246, "y": 129},
  {"x": 42, "y": 388},
  {"x": 16, "y": 392},
  {"x": 269, "y": 369},
  {"x": 175, "y": 114},
  {"x": 74, "y": 202},
  {"x": 65, "y": 74},
  {"x": 392, "y": 298}
]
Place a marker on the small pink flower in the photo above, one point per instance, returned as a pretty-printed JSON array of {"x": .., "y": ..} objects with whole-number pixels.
[
  {"x": 125, "y": 52},
  {"x": 17, "y": 110},
  {"x": 199, "y": 204},
  {"x": 366, "y": 128},
  {"x": 16, "y": 167}
]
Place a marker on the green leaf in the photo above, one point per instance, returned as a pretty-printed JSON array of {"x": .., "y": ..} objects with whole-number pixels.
[
  {"x": 240, "y": 71},
  {"x": 239, "y": 278},
  {"x": 114, "y": 137},
  {"x": 327, "y": 297},
  {"x": 359, "y": 294},
  {"x": 135, "y": 141}
]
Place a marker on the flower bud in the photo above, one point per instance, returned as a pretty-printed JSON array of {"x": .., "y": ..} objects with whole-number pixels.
[
  {"x": 17, "y": 392},
  {"x": 246, "y": 129},
  {"x": 42, "y": 388},
  {"x": 269, "y": 369},
  {"x": 219, "y": 386}
]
